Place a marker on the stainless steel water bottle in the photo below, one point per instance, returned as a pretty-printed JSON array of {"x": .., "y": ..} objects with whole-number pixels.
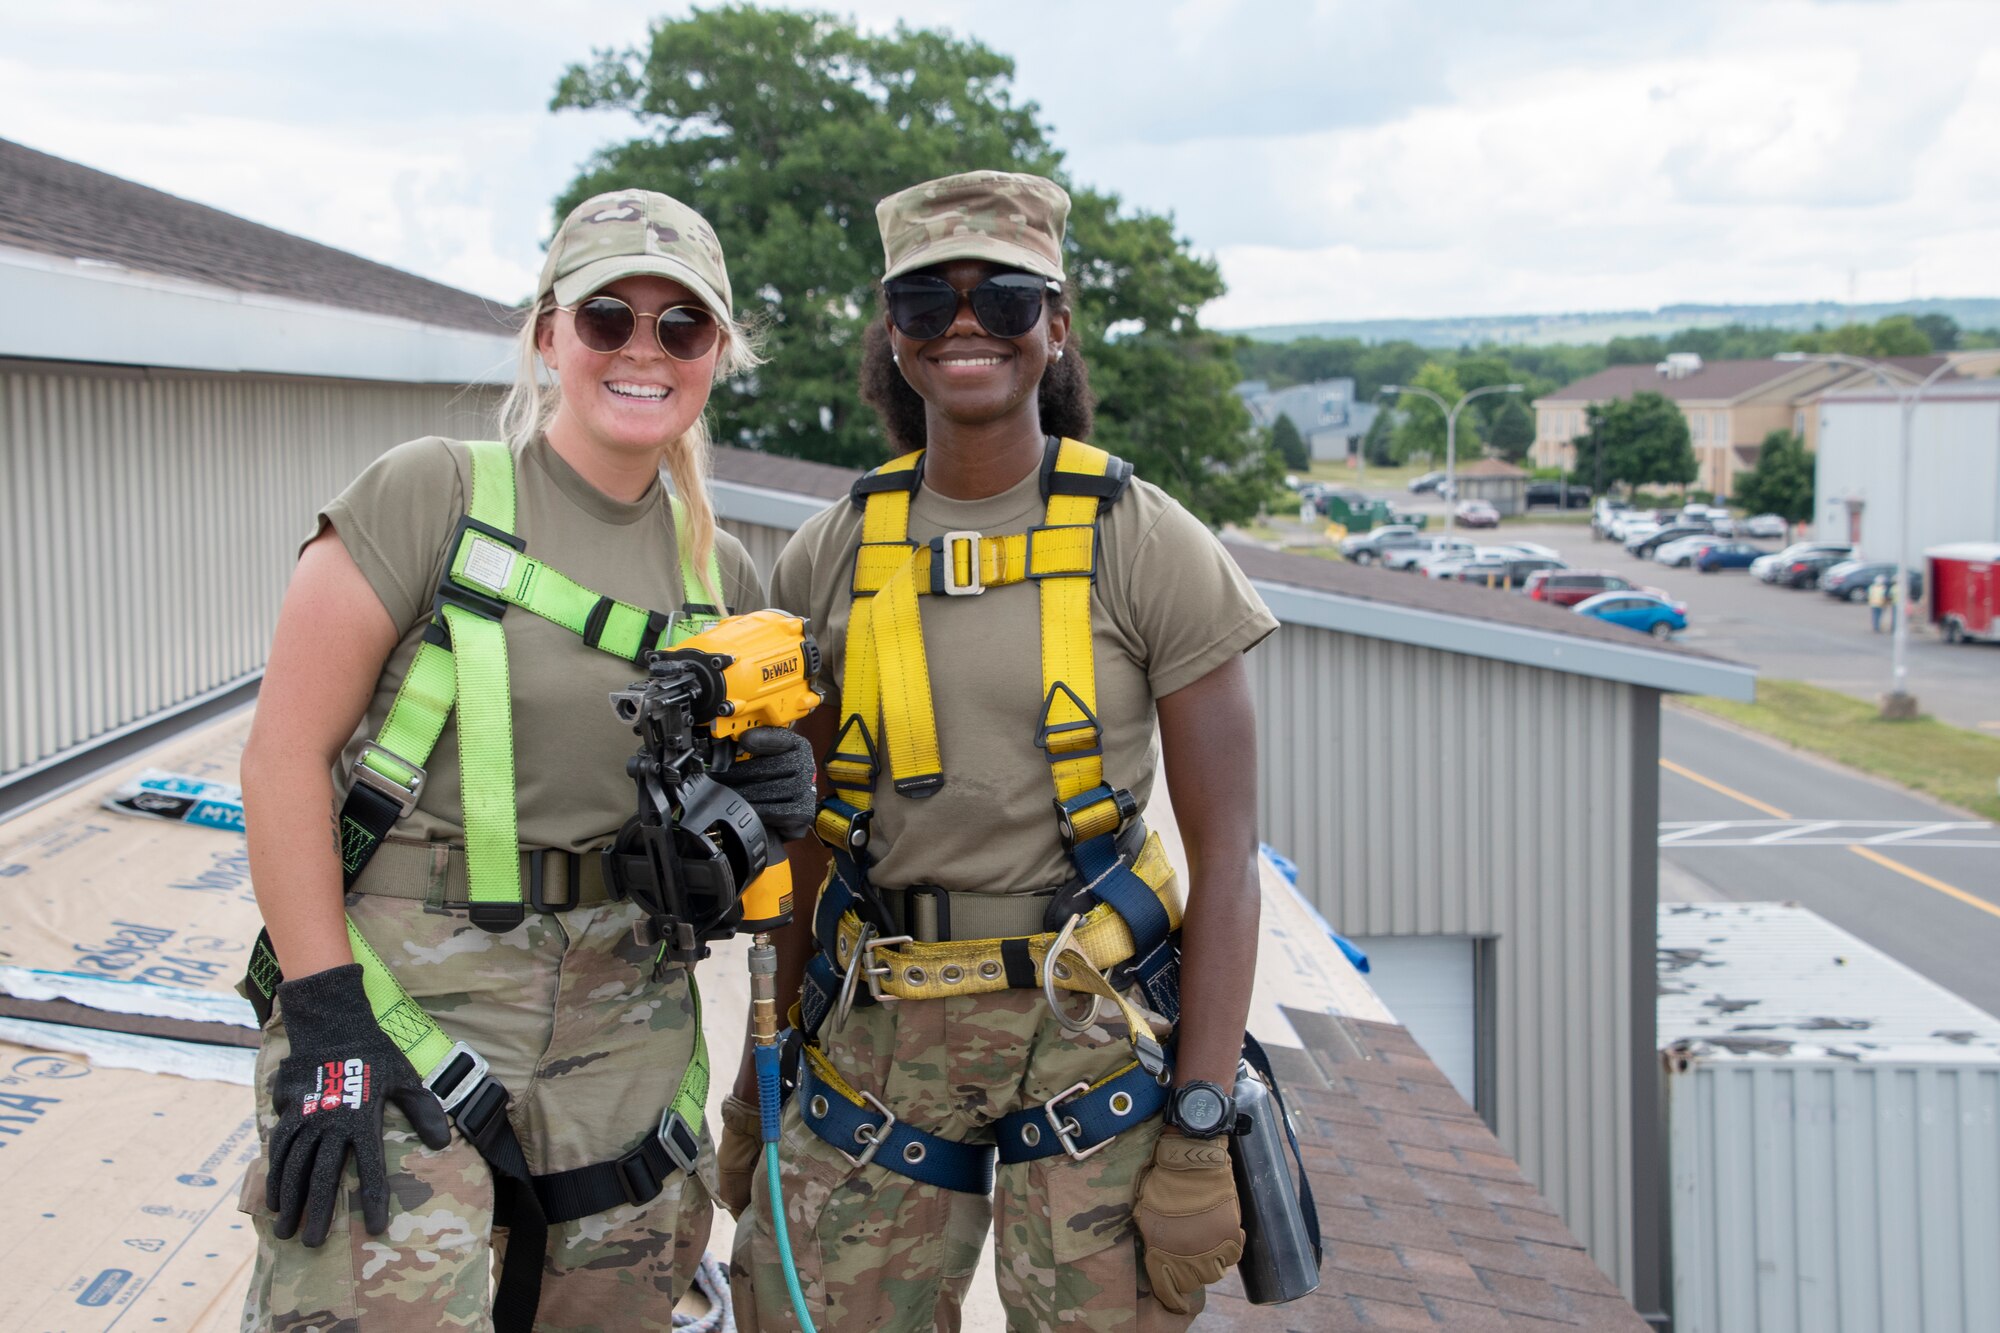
[{"x": 1278, "y": 1263}]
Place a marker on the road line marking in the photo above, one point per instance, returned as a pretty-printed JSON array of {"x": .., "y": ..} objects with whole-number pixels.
[
  {"x": 1692, "y": 831},
  {"x": 1816, "y": 826},
  {"x": 1948, "y": 890},
  {"x": 1990, "y": 845},
  {"x": 1882, "y": 839},
  {"x": 1730, "y": 792}
]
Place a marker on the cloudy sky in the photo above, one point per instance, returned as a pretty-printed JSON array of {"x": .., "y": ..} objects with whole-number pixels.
[{"x": 1346, "y": 159}]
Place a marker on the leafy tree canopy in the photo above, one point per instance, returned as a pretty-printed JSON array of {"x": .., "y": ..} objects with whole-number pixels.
[
  {"x": 1782, "y": 481},
  {"x": 1421, "y": 433},
  {"x": 1641, "y": 440},
  {"x": 1379, "y": 445},
  {"x": 1512, "y": 432},
  {"x": 1289, "y": 444},
  {"x": 1897, "y": 335},
  {"x": 785, "y": 128}
]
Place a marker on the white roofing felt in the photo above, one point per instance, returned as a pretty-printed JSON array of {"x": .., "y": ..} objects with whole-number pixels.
[{"x": 1775, "y": 982}]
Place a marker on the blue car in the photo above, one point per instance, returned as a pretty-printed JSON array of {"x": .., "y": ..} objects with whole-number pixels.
[
  {"x": 1637, "y": 610},
  {"x": 1727, "y": 555}
]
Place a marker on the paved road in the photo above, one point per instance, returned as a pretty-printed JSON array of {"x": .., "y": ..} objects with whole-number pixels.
[{"x": 1924, "y": 886}]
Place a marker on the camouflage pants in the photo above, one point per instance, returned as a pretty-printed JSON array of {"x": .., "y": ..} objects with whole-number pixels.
[
  {"x": 877, "y": 1250},
  {"x": 564, "y": 1010}
]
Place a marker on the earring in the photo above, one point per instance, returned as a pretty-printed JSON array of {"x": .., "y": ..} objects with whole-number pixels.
[
  {"x": 1059, "y": 352},
  {"x": 896, "y": 358}
]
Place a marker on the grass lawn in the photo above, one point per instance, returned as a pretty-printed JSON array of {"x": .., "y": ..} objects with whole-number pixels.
[
  {"x": 1947, "y": 762},
  {"x": 1377, "y": 478}
]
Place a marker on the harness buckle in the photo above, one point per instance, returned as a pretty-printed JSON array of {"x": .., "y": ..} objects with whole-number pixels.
[
  {"x": 470, "y": 1076},
  {"x": 1066, "y": 1127},
  {"x": 944, "y": 565},
  {"x": 404, "y": 797},
  {"x": 872, "y": 1135},
  {"x": 682, "y": 1144},
  {"x": 873, "y": 974},
  {"x": 537, "y": 861},
  {"x": 1064, "y": 944}
]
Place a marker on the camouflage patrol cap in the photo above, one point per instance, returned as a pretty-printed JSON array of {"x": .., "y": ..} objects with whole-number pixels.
[
  {"x": 629, "y": 232},
  {"x": 1003, "y": 216}
]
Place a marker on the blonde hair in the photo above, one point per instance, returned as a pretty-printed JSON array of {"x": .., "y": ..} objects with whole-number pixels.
[{"x": 531, "y": 404}]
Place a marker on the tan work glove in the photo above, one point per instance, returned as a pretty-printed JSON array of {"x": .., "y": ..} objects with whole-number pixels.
[
  {"x": 736, "y": 1156},
  {"x": 1188, "y": 1217}
]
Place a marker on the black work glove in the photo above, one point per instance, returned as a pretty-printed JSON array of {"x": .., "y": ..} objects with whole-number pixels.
[
  {"x": 777, "y": 780},
  {"x": 330, "y": 1092}
]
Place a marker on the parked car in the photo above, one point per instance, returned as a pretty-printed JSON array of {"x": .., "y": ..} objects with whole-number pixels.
[
  {"x": 1727, "y": 555},
  {"x": 1409, "y": 558},
  {"x": 1966, "y": 602},
  {"x": 1365, "y": 548},
  {"x": 1681, "y": 551},
  {"x": 1567, "y": 587},
  {"x": 1765, "y": 568},
  {"x": 1428, "y": 482},
  {"x": 1446, "y": 566},
  {"x": 1764, "y": 525},
  {"x": 1476, "y": 514},
  {"x": 1604, "y": 513},
  {"x": 1645, "y": 544},
  {"x": 1849, "y": 579},
  {"x": 1536, "y": 548},
  {"x": 1633, "y": 529},
  {"x": 1556, "y": 494},
  {"x": 1509, "y": 569},
  {"x": 1803, "y": 571},
  {"x": 1657, "y": 616}
]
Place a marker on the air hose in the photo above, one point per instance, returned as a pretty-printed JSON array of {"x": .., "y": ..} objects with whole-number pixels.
[{"x": 764, "y": 1036}]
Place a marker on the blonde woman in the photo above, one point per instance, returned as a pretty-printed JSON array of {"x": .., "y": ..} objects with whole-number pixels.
[{"x": 477, "y": 913}]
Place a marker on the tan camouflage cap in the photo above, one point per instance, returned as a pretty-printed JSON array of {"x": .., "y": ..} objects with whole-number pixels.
[
  {"x": 629, "y": 232},
  {"x": 1003, "y": 216}
]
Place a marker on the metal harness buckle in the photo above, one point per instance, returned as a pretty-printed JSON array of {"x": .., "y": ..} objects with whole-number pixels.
[
  {"x": 873, "y": 974},
  {"x": 681, "y": 1143},
  {"x": 456, "y": 1095},
  {"x": 872, "y": 1135},
  {"x": 404, "y": 797},
  {"x": 945, "y": 552},
  {"x": 1066, "y": 1127},
  {"x": 1063, "y": 945}
]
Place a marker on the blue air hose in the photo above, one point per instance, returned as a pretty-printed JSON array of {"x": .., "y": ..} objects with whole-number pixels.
[{"x": 766, "y": 1057}]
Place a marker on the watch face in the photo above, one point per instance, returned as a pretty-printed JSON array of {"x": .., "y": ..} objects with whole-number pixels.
[{"x": 1200, "y": 1109}]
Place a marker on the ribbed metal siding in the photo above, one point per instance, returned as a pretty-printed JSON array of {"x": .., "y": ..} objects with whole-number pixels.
[
  {"x": 149, "y": 526},
  {"x": 1430, "y": 793},
  {"x": 1834, "y": 1198},
  {"x": 763, "y": 543}
]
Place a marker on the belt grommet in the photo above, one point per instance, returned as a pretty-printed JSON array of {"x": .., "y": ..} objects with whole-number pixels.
[
  {"x": 913, "y": 975},
  {"x": 951, "y": 974},
  {"x": 1031, "y": 1134},
  {"x": 819, "y": 1108},
  {"x": 989, "y": 970},
  {"x": 1121, "y": 1103},
  {"x": 1062, "y": 971},
  {"x": 913, "y": 1153},
  {"x": 842, "y": 951}
]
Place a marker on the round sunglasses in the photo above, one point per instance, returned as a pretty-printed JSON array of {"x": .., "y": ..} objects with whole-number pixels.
[
  {"x": 606, "y": 324},
  {"x": 1007, "y": 305}
]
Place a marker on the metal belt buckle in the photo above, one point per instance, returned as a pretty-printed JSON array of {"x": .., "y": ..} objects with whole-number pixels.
[
  {"x": 404, "y": 797},
  {"x": 843, "y": 1003},
  {"x": 682, "y": 1146},
  {"x": 1049, "y": 961},
  {"x": 974, "y": 585},
  {"x": 465, "y": 1087},
  {"x": 872, "y": 974},
  {"x": 1066, "y": 1127},
  {"x": 872, "y": 1135}
]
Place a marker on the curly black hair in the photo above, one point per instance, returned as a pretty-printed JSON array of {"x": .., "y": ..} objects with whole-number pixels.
[{"x": 1067, "y": 404}]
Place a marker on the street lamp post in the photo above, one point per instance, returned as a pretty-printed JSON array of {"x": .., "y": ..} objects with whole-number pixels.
[
  {"x": 1898, "y": 703},
  {"x": 1451, "y": 412}
]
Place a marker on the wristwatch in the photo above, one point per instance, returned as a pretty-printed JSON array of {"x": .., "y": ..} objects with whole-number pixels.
[{"x": 1201, "y": 1110}]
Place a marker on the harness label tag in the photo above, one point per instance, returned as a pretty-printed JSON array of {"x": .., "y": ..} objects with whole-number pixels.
[{"x": 489, "y": 563}]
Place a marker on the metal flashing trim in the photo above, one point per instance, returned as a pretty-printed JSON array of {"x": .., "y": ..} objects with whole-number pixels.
[
  {"x": 1499, "y": 641},
  {"x": 755, "y": 504}
]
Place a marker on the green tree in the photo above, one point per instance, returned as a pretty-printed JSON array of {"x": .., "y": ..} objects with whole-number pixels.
[
  {"x": 1512, "y": 433},
  {"x": 1896, "y": 335},
  {"x": 1941, "y": 329},
  {"x": 1289, "y": 445},
  {"x": 1640, "y": 441},
  {"x": 1378, "y": 446},
  {"x": 1422, "y": 432},
  {"x": 785, "y": 128},
  {"x": 1782, "y": 481}
]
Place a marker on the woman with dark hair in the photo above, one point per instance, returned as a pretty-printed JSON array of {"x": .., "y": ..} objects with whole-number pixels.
[{"x": 1007, "y": 617}]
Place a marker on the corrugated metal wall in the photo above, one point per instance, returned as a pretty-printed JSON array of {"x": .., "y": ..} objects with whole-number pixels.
[
  {"x": 1430, "y": 793},
  {"x": 761, "y": 542},
  {"x": 147, "y": 524},
  {"x": 1831, "y": 1197}
]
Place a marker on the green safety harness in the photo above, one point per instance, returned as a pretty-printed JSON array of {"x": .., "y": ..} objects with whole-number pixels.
[{"x": 462, "y": 664}]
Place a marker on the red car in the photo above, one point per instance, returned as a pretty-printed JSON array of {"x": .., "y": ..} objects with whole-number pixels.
[
  {"x": 1476, "y": 514},
  {"x": 1567, "y": 587}
]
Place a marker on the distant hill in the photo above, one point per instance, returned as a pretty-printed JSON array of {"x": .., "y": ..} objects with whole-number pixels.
[{"x": 1602, "y": 326}]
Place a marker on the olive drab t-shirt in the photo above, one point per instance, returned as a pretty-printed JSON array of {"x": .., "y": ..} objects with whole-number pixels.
[
  {"x": 569, "y": 748},
  {"x": 1169, "y": 607}
]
